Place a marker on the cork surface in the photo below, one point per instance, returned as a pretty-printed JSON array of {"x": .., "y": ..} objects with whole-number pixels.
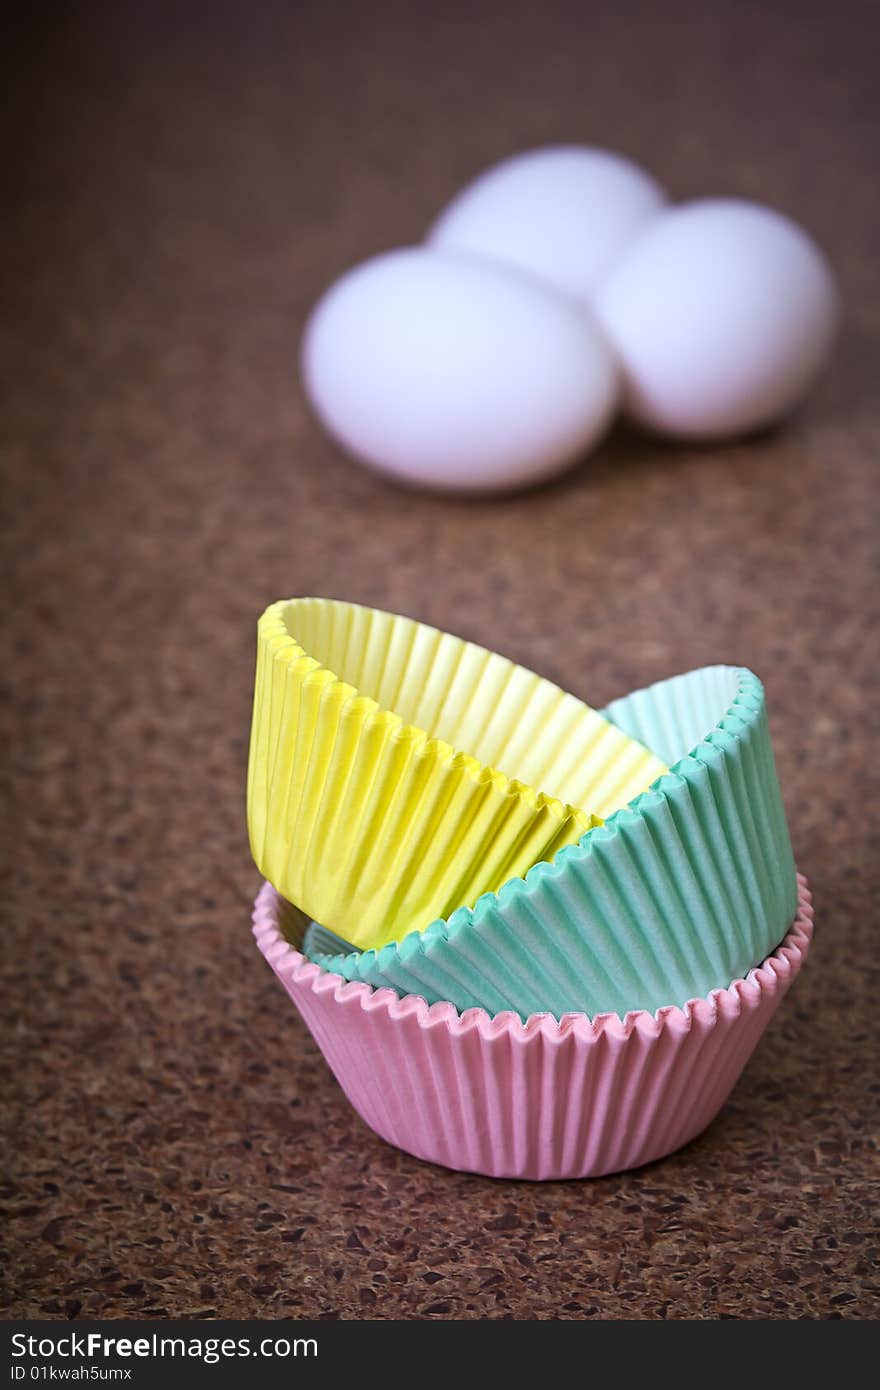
[{"x": 182, "y": 190}]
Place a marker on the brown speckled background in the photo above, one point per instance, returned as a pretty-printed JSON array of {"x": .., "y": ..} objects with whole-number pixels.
[{"x": 185, "y": 180}]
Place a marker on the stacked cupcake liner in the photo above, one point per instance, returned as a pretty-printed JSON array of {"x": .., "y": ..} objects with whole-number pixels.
[
  {"x": 376, "y": 824},
  {"x": 678, "y": 893},
  {"x": 543, "y": 1099},
  {"x": 654, "y": 870}
]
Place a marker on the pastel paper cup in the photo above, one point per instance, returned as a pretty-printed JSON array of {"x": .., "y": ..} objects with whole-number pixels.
[
  {"x": 542, "y": 1099},
  {"x": 685, "y": 889},
  {"x": 403, "y": 787}
]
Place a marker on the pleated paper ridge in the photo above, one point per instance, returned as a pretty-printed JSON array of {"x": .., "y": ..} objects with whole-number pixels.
[
  {"x": 375, "y": 825},
  {"x": 320, "y": 940},
  {"x": 538, "y": 1099},
  {"x": 687, "y": 888}
]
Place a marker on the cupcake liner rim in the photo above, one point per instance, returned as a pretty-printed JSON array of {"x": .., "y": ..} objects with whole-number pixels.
[
  {"x": 286, "y": 960},
  {"x": 284, "y": 647}
]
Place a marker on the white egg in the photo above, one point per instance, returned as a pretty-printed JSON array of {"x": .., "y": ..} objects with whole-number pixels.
[
  {"x": 455, "y": 374},
  {"x": 564, "y": 213},
  {"x": 722, "y": 313}
]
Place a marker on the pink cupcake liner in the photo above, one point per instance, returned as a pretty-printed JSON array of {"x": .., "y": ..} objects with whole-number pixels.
[{"x": 542, "y": 1099}]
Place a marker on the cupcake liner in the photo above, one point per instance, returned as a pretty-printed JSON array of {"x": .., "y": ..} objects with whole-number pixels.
[
  {"x": 320, "y": 941},
  {"x": 360, "y": 809},
  {"x": 683, "y": 890},
  {"x": 541, "y": 1099}
]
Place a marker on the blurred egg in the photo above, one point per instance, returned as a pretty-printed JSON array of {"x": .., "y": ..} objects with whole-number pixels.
[
  {"x": 563, "y": 213},
  {"x": 722, "y": 313},
  {"x": 455, "y": 374}
]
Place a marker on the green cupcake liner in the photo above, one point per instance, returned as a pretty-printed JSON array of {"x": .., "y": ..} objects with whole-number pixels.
[
  {"x": 320, "y": 941},
  {"x": 677, "y": 894}
]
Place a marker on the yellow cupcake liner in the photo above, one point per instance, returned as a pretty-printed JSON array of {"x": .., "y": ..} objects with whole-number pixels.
[{"x": 360, "y": 808}]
